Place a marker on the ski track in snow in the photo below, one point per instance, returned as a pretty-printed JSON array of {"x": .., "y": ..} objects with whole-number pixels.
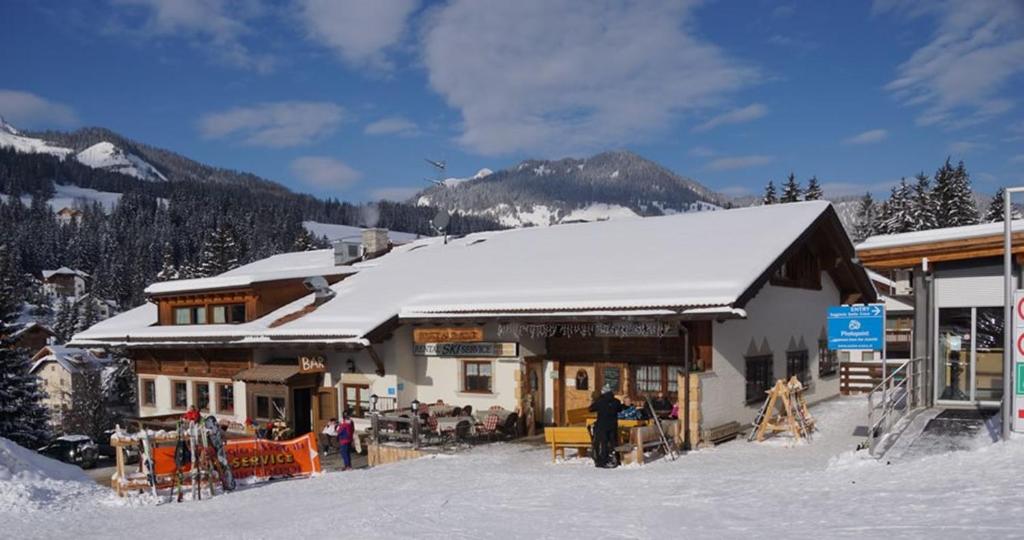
[{"x": 737, "y": 490}]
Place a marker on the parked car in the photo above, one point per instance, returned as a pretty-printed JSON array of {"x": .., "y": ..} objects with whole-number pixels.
[{"x": 74, "y": 449}]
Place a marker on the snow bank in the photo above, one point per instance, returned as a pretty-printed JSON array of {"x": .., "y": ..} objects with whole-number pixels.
[{"x": 30, "y": 482}]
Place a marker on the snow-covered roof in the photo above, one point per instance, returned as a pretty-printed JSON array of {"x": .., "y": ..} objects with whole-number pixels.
[
  {"x": 63, "y": 271},
  {"x": 300, "y": 264},
  {"x": 937, "y": 235},
  {"x": 879, "y": 278},
  {"x": 700, "y": 263},
  {"x": 72, "y": 359},
  {"x": 334, "y": 231}
]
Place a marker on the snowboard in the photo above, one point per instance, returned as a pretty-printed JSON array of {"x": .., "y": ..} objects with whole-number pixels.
[
  {"x": 181, "y": 457},
  {"x": 147, "y": 460},
  {"x": 217, "y": 441}
]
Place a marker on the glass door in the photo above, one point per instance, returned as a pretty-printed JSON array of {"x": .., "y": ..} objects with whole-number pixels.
[
  {"x": 970, "y": 355},
  {"x": 954, "y": 354}
]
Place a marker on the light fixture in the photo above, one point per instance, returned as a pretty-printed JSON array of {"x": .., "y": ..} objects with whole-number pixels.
[
  {"x": 415, "y": 405},
  {"x": 373, "y": 402}
]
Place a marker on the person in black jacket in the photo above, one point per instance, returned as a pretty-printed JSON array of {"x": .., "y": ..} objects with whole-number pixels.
[{"x": 606, "y": 428}]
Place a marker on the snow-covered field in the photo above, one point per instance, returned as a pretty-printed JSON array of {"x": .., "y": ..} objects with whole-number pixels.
[{"x": 737, "y": 490}]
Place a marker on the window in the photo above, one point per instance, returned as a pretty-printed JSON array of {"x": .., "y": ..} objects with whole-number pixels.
[
  {"x": 476, "y": 377},
  {"x": 228, "y": 314},
  {"x": 180, "y": 394},
  {"x": 353, "y": 250},
  {"x": 190, "y": 315},
  {"x": 801, "y": 270},
  {"x": 828, "y": 360},
  {"x": 270, "y": 408},
  {"x": 648, "y": 379},
  {"x": 225, "y": 398},
  {"x": 202, "y": 397},
  {"x": 149, "y": 392},
  {"x": 673, "y": 378},
  {"x": 796, "y": 366},
  {"x": 759, "y": 377}
]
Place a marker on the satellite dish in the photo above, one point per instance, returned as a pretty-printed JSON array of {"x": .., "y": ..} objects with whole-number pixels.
[{"x": 441, "y": 220}]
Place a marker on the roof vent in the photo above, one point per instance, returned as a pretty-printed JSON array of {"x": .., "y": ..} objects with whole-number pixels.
[{"x": 320, "y": 287}]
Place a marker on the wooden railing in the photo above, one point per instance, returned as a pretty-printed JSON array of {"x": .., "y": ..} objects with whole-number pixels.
[{"x": 861, "y": 377}]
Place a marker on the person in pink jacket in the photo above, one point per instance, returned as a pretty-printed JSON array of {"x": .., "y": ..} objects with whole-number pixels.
[{"x": 346, "y": 433}]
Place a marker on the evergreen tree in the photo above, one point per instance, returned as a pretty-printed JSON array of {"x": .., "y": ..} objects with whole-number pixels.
[
  {"x": 954, "y": 196},
  {"x": 121, "y": 392},
  {"x": 769, "y": 194},
  {"x": 923, "y": 204},
  {"x": 168, "y": 269},
  {"x": 791, "y": 191},
  {"x": 23, "y": 418},
  {"x": 996, "y": 208},
  {"x": 87, "y": 314},
  {"x": 867, "y": 219},
  {"x": 221, "y": 252},
  {"x": 66, "y": 320},
  {"x": 86, "y": 412},
  {"x": 898, "y": 210},
  {"x": 813, "y": 192},
  {"x": 304, "y": 241}
]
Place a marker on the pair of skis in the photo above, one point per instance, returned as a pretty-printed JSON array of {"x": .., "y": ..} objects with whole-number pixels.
[{"x": 193, "y": 447}]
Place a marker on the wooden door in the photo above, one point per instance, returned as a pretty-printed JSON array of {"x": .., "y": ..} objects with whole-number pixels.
[
  {"x": 325, "y": 407},
  {"x": 534, "y": 388}
]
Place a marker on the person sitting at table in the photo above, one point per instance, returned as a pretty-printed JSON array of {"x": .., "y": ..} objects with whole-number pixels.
[
  {"x": 662, "y": 405},
  {"x": 467, "y": 411},
  {"x": 329, "y": 436},
  {"x": 629, "y": 411}
]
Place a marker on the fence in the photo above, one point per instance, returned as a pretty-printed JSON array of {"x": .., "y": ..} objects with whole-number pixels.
[
  {"x": 862, "y": 377},
  {"x": 893, "y": 398}
]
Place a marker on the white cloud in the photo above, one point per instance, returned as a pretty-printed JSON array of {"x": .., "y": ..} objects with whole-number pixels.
[
  {"x": 276, "y": 125},
  {"x": 324, "y": 173},
  {"x": 702, "y": 151},
  {"x": 393, "y": 193},
  {"x": 735, "y": 116},
  {"x": 738, "y": 162},
  {"x": 961, "y": 77},
  {"x": 216, "y": 25},
  {"x": 27, "y": 110},
  {"x": 867, "y": 137},
  {"x": 359, "y": 32},
  {"x": 393, "y": 125},
  {"x": 965, "y": 147},
  {"x": 578, "y": 76}
]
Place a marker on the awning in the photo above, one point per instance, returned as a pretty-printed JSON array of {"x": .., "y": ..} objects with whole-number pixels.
[{"x": 268, "y": 373}]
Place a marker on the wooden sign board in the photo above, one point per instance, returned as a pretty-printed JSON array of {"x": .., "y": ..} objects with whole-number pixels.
[
  {"x": 485, "y": 349},
  {"x": 312, "y": 364},
  {"x": 447, "y": 335}
]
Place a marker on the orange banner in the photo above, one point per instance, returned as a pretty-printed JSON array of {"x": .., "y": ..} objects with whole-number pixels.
[{"x": 256, "y": 457}]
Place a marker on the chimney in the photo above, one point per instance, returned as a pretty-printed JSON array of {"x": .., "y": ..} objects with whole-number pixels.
[{"x": 375, "y": 242}]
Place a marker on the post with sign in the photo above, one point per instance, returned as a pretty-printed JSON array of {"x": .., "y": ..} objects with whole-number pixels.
[
  {"x": 859, "y": 328},
  {"x": 1016, "y": 399}
]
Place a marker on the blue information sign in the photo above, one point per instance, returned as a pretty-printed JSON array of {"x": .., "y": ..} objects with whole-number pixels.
[{"x": 857, "y": 327}]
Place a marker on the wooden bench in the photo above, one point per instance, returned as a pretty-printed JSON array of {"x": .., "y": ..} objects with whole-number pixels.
[
  {"x": 560, "y": 438},
  {"x": 644, "y": 438},
  {"x": 719, "y": 434},
  {"x": 575, "y": 417}
]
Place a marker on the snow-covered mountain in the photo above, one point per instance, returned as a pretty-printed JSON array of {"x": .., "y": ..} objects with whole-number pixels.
[
  {"x": 10, "y": 137},
  {"x": 106, "y": 155},
  {"x": 610, "y": 185}
]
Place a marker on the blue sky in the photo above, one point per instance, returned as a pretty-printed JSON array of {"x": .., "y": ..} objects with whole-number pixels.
[{"x": 345, "y": 98}]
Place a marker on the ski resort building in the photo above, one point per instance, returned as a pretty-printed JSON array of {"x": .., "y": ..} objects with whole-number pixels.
[
  {"x": 64, "y": 282},
  {"x": 533, "y": 319},
  {"x": 953, "y": 280},
  {"x": 57, "y": 367}
]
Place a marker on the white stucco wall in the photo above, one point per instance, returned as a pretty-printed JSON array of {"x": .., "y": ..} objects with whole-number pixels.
[
  {"x": 165, "y": 399},
  {"x": 778, "y": 319}
]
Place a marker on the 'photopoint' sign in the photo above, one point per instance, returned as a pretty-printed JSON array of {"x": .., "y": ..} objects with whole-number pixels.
[{"x": 856, "y": 327}]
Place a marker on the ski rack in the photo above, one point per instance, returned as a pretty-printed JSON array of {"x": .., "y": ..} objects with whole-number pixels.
[{"x": 784, "y": 410}]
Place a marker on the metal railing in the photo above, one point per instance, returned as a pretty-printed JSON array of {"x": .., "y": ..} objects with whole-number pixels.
[{"x": 899, "y": 394}]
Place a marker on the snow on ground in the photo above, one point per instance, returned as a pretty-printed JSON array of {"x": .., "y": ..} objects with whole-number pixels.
[
  {"x": 30, "y": 482},
  {"x": 600, "y": 212},
  {"x": 11, "y": 138},
  {"x": 737, "y": 490}
]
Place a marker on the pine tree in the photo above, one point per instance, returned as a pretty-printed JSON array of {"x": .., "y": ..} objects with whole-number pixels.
[
  {"x": 66, "y": 320},
  {"x": 791, "y": 191},
  {"x": 867, "y": 219},
  {"x": 954, "y": 196},
  {"x": 23, "y": 418},
  {"x": 304, "y": 241},
  {"x": 769, "y": 194},
  {"x": 923, "y": 204},
  {"x": 221, "y": 252},
  {"x": 996, "y": 208},
  {"x": 86, "y": 412},
  {"x": 87, "y": 314},
  {"x": 898, "y": 210},
  {"x": 814, "y": 192},
  {"x": 168, "y": 269}
]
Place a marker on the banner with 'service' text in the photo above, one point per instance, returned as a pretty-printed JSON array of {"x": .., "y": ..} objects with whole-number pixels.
[{"x": 256, "y": 457}]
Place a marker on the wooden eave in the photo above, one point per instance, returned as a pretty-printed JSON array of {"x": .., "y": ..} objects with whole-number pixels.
[{"x": 891, "y": 258}]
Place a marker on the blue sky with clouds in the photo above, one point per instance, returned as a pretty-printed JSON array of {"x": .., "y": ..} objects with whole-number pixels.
[{"x": 345, "y": 98}]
